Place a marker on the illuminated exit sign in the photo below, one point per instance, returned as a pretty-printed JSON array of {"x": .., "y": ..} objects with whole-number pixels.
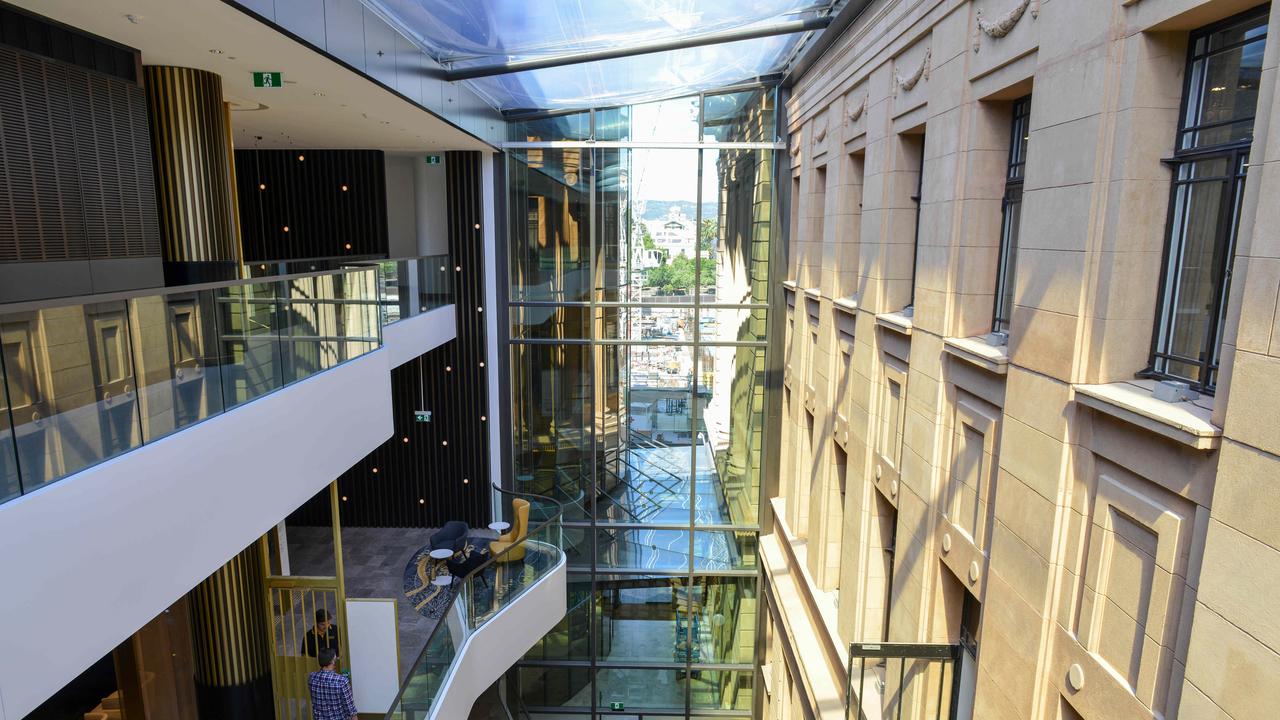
[
  {"x": 433, "y": 159},
  {"x": 267, "y": 79}
]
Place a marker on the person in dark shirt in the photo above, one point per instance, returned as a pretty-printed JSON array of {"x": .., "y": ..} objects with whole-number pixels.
[
  {"x": 330, "y": 692},
  {"x": 323, "y": 635}
]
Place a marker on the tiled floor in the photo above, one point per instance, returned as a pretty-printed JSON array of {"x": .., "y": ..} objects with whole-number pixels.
[{"x": 374, "y": 561}]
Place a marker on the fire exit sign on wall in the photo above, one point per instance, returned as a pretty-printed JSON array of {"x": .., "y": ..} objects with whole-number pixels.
[
  {"x": 433, "y": 159},
  {"x": 267, "y": 79}
]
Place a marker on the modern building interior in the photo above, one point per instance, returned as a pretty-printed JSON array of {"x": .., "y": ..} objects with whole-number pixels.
[{"x": 639, "y": 360}]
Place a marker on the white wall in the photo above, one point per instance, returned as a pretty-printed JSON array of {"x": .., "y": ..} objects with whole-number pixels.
[
  {"x": 88, "y": 560},
  {"x": 402, "y": 215},
  {"x": 431, "y": 201}
]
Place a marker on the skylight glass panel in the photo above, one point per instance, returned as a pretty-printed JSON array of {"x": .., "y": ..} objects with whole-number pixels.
[{"x": 487, "y": 33}]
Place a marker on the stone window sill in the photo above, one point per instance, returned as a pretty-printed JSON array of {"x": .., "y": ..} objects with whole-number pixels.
[
  {"x": 975, "y": 350},
  {"x": 1186, "y": 422},
  {"x": 846, "y": 305},
  {"x": 813, "y": 293},
  {"x": 895, "y": 321}
]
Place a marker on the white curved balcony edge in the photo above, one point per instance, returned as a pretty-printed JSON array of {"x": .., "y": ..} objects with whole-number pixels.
[
  {"x": 413, "y": 336},
  {"x": 496, "y": 645}
]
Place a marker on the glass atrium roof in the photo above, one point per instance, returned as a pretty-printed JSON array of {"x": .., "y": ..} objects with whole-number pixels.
[{"x": 484, "y": 33}]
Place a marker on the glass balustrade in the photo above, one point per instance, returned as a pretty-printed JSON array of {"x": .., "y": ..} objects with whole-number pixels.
[
  {"x": 513, "y": 567},
  {"x": 85, "y": 381}
]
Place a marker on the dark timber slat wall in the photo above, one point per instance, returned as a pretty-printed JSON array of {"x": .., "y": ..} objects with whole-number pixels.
[
  {"x": 277, "y": 190},
  {"x": 424, "y": 482}
]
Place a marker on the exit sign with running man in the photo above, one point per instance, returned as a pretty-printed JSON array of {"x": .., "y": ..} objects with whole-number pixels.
[{"x": 267, "y": 79}]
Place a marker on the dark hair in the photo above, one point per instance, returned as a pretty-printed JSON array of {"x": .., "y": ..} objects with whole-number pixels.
[
  {"x": 326, "y": 656},
  {"x": 321, "y": 615}
]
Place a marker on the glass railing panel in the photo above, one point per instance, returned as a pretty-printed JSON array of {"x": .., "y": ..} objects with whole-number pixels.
[
  {"x": 85, "y": 382},
  {"x": 10, "y": 483},
  {"x": 510, "y": 571},
  {"x": 328, "y": 319},
  {"x": 249, "y": 340},
  {"x": 413, "y": 286},
  {"x": 176, "y": 360},
  {"x": 71, "y": 388}
]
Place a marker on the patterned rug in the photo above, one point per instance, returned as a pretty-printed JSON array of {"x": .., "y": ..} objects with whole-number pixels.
[{"x": 494, "y": 584}]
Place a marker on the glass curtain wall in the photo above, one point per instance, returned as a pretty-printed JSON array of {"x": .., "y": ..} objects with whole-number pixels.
[{"x": 639, "y": 268}]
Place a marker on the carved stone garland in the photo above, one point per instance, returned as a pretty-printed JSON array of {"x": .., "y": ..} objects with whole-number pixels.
[
  {"x": 856, "y": 113},
  {"x": 923, "y": 71},
  {"x": 1003, "y": 25}
]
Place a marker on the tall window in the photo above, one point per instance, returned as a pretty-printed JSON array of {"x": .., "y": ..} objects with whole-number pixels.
[
  {"x": 1215, "y": 134},
  {"x": 1011, "y": 216}
]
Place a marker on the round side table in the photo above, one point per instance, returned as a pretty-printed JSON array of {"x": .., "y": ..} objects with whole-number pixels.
[
  {"x": 499, "y": 527},
  {"x": 442, "y": 554}
]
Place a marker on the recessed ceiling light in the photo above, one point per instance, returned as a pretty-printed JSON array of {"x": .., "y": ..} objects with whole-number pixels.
[
  {"x": 215, "y": 51},
  {"x": 318, "y": 93}
]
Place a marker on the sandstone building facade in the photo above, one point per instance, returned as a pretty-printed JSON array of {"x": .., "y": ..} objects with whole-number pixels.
[{"x": 1011, "y": 220}]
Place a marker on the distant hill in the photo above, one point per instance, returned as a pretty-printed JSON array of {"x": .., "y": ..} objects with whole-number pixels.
[{"x": 658, "y": 209}]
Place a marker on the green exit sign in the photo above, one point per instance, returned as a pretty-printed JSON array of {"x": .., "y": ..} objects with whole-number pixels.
[
  {"x": 267, "y": 79},
  {"x": 433, "y": 159},
  {"x": 422, "y": 415},
  {"x": 615, "y": 705}
]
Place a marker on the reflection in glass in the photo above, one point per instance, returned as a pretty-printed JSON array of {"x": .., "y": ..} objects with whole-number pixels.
[
  {"x": 554, "y": 686},
  {"x": 722, "y": 689},
  {"x": 551, "y": 391},
  {"x": 737, "y": 225},
  {"x": 637, "y": 620},
  {"x": 550, "y": 216},
  {"x": 653, "y": 416},
  {"x": 1223, "y": 83},
  {"x": 741, "y": 116},
  {"x": 663, "y": 549},
  {"x": 10, "y": 485},
  {"x": 568, "y": 640},
  {"x": 175, "y": 348},
  {"x": 642, "y": 688},
  {"x": 644, "y": 435}
]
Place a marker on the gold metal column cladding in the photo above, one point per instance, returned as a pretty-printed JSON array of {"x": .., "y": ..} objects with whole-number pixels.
[
  {"x": 229, "y": 624},
  {"x": 190, "y": 140}
]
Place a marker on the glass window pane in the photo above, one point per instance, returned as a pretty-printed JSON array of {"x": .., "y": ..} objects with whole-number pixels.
[
  {"x": 550, "y": 322},
  {"x": 744, "y": 116},
  {"x": 550, "y": 215},
  {"x": 647, "y": 229},
  {"x": 568, "y": 640},
  {"x": 664, "y": 324},
  {"x": 637, "y": 622},
  {"x": 727, "y": 618},
  {"x": 642, "y": 688},
  {"x": 736, "y": 228},
  {"x": 673, "y": 120},
  {"x": 724, "y": 549},
  {"x": 573, "y": 126},
  {"x": 736, "y": 324},
  {"x": 730, "y": 433},
  {"x": 1196, "y": 242},
  {"x": 551, "y": 437},
  {"x": 1226, "y": 87},
  {"x": 663, "y": 549},
  {"x": 542, "y": 686},
  {"x": 645, "y": 434},
  {"x": 1012, "y": 221},
  {"x": 721, "y": 689}
]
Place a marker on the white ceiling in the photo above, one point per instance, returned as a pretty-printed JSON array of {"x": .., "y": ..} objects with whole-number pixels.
[{"x": 322, "y": 104}]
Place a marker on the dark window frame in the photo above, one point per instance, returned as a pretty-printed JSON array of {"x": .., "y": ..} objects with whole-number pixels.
[
  {"x": 1186, "y": 154},
  {"x": 1015, "y": 172}
]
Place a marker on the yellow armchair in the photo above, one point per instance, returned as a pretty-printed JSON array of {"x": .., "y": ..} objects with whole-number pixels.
[{"x": 519, "y": 528}]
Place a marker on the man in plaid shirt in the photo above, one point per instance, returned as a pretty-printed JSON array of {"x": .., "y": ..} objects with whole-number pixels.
[{"x": 330, "y": 692}]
